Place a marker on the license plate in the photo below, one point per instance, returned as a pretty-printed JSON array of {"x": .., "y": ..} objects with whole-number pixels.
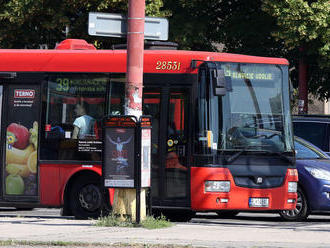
[{"x": 258, "y": 202}]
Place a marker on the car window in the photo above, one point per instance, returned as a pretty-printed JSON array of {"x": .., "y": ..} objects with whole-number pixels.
[
  {"x": 312, "y": 132},
  {"x": 305, "y": 152}
]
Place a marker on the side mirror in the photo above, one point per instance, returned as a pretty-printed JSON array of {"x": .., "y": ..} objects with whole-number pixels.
[{"x": 220, "y": 84}]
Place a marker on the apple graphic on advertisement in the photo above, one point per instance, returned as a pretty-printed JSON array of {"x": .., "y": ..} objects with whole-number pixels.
[
  {"x": 18, "y": 135},
  {"x": 14, "y": 185}
]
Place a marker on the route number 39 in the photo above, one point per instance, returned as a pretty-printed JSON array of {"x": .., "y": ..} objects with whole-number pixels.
[{"x": 168, "y": 65}]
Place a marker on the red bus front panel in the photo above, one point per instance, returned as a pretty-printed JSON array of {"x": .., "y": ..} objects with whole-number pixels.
[{"x": 238, "y": 197}]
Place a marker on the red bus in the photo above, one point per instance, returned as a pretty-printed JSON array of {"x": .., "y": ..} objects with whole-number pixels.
[{"x": 222, "y": 137}]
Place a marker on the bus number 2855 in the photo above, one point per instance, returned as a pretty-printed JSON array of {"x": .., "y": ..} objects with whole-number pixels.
[{"x": 168, "y": 65}]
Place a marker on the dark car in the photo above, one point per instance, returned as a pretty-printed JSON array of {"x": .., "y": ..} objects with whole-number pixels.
[
  {"x": 313, "y": 128},
  {"x": 314, "y": 181}
]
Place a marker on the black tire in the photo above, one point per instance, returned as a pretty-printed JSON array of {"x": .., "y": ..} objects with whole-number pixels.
[
  {"x": 66, "y": 211},
  {"x": 301, "y": 211},
  {"x": 87, "y": 199},
  {"x": 227, "y": 213},
  {"x": 178, "y": 215}
]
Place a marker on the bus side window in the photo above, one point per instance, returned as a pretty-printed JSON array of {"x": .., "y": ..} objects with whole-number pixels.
[{"x": 73, "y": 115}]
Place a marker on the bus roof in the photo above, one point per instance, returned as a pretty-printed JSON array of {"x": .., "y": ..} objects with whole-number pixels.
[{"x": 155, "y": 61}]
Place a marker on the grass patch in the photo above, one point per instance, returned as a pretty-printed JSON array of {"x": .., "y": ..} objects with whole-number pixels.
[
  {"x": 150, "y": 222},
  {"x": 113, "y": 220},
  {"x": 153, "y": 223}
]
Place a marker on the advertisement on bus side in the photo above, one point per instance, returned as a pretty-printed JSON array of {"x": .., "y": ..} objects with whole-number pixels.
[{"x": 21, "y": 161}]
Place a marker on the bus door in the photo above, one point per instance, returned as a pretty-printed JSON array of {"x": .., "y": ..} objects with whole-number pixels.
[
  {"x": 19, "y": 136},
  {"x": 170, "y": 170}
]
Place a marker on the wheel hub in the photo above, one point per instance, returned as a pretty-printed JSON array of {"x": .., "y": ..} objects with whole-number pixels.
[
  {"x": 297, "y": 210},
  {"x": 90, "y": 197}
]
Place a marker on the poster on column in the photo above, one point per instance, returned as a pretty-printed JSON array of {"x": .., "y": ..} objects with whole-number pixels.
[
  {"x": 119, "y": 159},
  {"x": 21, "y": 160},
  {"x": 145, "y": 157}
]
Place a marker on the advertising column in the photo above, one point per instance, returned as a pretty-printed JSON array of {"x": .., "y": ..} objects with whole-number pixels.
[
  {"x": 119, "y": 152},
  {"x": 21, "y": 158},
  {"x": 126, "y": 156}
]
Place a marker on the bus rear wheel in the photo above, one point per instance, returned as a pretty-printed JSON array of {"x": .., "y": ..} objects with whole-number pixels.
[{"x": 87, "y": 200}]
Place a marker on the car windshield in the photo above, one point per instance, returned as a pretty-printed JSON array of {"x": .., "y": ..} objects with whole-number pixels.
[{"x": 304, "y": 150}]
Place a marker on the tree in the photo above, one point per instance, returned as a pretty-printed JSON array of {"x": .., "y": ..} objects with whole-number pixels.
[
  {"x": 304, "y": 25},
  {"x": 188, "y": 23},
  {"x": 241, "y": 26},
  {"x": 262, "y": 27},
  {"x": 30, "y": 23}
]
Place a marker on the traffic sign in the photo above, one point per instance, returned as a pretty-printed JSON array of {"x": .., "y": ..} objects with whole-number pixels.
[{"x": 115, "y": 25}]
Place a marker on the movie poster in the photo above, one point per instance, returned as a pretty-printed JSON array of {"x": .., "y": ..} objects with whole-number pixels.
[
  {"x": 21, "y": 163},
  {"x": 119, "y": 160}
]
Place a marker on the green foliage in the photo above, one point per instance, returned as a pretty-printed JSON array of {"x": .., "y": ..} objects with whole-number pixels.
[
  {"x": 240, "y": 25},
  {"x": 276, "y": 28},
  {"x": 190, "y": 23},
  {"x": 113, "y": 220},
  {"x": 30, "y": 23},
  {"x": 303, "y": 23},
  {"x": 270, "y": 28},
  {"x": 153, "y": 8}
]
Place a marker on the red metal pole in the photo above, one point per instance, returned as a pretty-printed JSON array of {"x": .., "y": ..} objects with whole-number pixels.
[
  {"x": 124, "y": 198},
  {"x": 135, "y": 47}
]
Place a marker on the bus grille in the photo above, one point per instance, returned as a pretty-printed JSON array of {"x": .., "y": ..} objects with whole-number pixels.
[{"x": 261, "y": 182}]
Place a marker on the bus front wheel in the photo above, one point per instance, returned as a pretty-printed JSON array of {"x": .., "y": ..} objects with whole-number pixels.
[
  {"x": 301, "y": 211},
  {"x": 87, "y": 200}
]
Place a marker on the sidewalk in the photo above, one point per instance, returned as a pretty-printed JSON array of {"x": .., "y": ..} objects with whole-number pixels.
[{"x": 182, "y": 234}]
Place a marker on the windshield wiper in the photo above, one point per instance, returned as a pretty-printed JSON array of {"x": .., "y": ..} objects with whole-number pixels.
[
  {"x": 233, "y": 157},
  {"x": 236, "y": 155},
  {"x": 281, "y": 155}
]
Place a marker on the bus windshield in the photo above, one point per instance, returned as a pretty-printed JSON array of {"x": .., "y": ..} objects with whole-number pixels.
[{"x": 253, "y": 115}]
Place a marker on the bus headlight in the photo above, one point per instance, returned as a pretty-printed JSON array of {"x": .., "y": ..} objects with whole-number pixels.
[
  {"x": 217, "y": 186},
  {"x": 292, "y": 187}
]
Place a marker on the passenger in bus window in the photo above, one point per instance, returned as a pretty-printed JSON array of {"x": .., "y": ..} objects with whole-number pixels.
[
  {"x": 83, "y": 124},
  {"x": 172, "y": 162}
]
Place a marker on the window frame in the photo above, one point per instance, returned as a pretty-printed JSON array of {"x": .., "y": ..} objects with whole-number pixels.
[{"x": 88, "y": 156}]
